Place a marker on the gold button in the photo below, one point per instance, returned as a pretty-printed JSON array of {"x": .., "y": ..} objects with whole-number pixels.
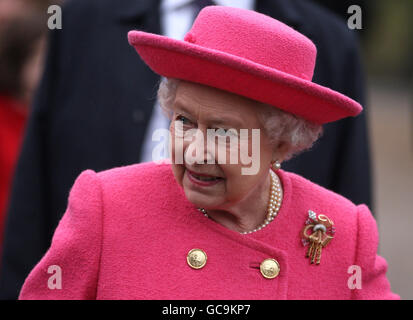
[
  {"x": 196, "y": 258},
  {"x": 270, "y": 268}
]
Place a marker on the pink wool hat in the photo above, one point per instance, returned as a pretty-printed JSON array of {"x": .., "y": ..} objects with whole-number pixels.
[{"x": 249, "y": 54}]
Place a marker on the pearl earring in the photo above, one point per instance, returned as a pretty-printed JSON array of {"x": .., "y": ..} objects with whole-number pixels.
[{"x": 276, "y": 165}]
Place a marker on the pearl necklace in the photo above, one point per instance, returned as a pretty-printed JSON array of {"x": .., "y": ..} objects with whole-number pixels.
[{"x": 273, "y": 205}]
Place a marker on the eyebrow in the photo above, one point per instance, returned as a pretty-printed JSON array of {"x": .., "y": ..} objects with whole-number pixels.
[{"x": 179, "y": 106}]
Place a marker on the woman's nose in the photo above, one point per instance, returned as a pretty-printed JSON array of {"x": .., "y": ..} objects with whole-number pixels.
[{"x": 199, "y": 150}]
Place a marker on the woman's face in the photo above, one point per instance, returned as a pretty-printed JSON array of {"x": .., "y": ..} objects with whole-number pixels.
[{"x": 209, "y": 176}]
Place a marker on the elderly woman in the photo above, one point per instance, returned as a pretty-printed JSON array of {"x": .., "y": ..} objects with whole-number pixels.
[{"x": 221, "y": 220}]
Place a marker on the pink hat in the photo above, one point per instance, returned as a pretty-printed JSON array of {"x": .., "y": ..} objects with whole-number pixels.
[{"x": 249, "y": 54}]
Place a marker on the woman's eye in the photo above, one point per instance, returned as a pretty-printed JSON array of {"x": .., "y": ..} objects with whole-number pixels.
[
  {"x": 221, "y": 132},
  {"x": 183, "y": 120},
  {"x": 226, "y": 132}
]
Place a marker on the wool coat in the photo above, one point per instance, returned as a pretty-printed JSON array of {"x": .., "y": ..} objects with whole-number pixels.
[{"x": 127, "y": 231}]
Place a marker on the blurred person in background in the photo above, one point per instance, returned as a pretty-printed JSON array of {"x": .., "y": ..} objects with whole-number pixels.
[
  {"x": 22, "y": 41},
  {"x": 95, "y": 110}
]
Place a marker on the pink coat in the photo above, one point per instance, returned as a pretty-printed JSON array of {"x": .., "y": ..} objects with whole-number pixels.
[{"x": 127, "y": 232}]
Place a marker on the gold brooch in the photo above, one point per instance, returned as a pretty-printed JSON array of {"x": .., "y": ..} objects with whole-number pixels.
[{"x": 322, "y": 230}]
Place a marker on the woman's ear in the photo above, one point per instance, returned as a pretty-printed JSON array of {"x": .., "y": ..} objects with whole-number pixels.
[{"x": 280, "y": 153}]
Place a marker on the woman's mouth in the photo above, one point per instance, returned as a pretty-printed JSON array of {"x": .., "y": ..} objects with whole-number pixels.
[{"x": 203, "y": 179}]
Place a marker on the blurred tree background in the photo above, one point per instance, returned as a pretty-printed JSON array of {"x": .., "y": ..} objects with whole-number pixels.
[{"x": 386, "y": 37}]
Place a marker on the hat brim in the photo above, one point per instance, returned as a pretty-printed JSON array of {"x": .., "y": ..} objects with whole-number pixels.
[{"x": 191, "y": 62}]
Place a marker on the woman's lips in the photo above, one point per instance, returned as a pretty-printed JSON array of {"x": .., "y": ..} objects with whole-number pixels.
[{"x": 196, "y": 179}]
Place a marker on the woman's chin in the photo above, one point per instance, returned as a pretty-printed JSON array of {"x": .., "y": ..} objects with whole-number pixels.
[{"x": 201, "y": 200}]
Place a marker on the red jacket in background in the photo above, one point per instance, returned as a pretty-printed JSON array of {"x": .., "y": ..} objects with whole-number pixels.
[{"x": 13, "y": 117}]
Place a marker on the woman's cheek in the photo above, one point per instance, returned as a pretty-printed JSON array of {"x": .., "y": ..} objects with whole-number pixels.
[
  {"x": 233, "y": 180},
  {"x": 177, "y": 146},
  {"x": 227, "y": 152}
]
